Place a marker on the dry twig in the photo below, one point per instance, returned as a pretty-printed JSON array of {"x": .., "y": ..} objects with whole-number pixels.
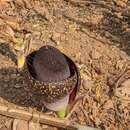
[{"x": 27, "y": 116}]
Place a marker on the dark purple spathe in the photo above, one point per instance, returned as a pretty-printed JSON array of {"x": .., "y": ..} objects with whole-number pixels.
[{"x": 50, "y": 65}]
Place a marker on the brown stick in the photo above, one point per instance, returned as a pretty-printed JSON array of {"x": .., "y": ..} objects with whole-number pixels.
[{"x": 35, "y": 116}]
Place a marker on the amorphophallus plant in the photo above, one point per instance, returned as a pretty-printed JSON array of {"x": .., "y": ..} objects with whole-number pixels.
[{"x": 55, "y": 77}]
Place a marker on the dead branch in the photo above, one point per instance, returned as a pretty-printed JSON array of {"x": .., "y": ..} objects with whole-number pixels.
[{"x": 35, "y": 116}]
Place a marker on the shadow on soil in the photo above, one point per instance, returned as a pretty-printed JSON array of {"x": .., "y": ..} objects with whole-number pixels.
[
  {"x": 116, "y": 30},
  {"x": 7, "y": 51},
  {"x": 15, "y": 88},
  {"x": 114, "y": 26}
]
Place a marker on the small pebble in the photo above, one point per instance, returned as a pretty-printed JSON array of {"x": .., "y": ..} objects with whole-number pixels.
[
  {"x": 95, "y": 54},
  {"x": 120, "y": 65},
  {"x": 121, "y": 3},
  {"x": 13, "y": 76},
  {"x": 18, "y": 86},
  {"x": 87, "y": 84},
  {"x": 85, "y": 76}
]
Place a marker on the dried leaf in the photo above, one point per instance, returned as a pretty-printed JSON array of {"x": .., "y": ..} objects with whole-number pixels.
[
  {"x": 20, "y": 125},
  {"x": 3, "y": 4},
  {"x": 34, "y": 126},
  {"x": 20, "y": 61},
  {"x": 11, "y": 21}
]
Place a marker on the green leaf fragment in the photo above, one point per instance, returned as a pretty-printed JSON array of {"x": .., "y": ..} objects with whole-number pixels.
[{"x": 61, "y": 114}]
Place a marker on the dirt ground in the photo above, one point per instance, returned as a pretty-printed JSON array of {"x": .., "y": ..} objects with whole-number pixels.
[{"x": 95, "y": 34}]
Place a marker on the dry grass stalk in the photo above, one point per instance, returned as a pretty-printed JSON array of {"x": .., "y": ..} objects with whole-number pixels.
[
  {"x": 11, "y": 21},
  {"x": 35, "y": 116}
]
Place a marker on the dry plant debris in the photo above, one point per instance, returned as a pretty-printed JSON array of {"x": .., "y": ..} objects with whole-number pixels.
[{"x": 94, "y": 33}]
